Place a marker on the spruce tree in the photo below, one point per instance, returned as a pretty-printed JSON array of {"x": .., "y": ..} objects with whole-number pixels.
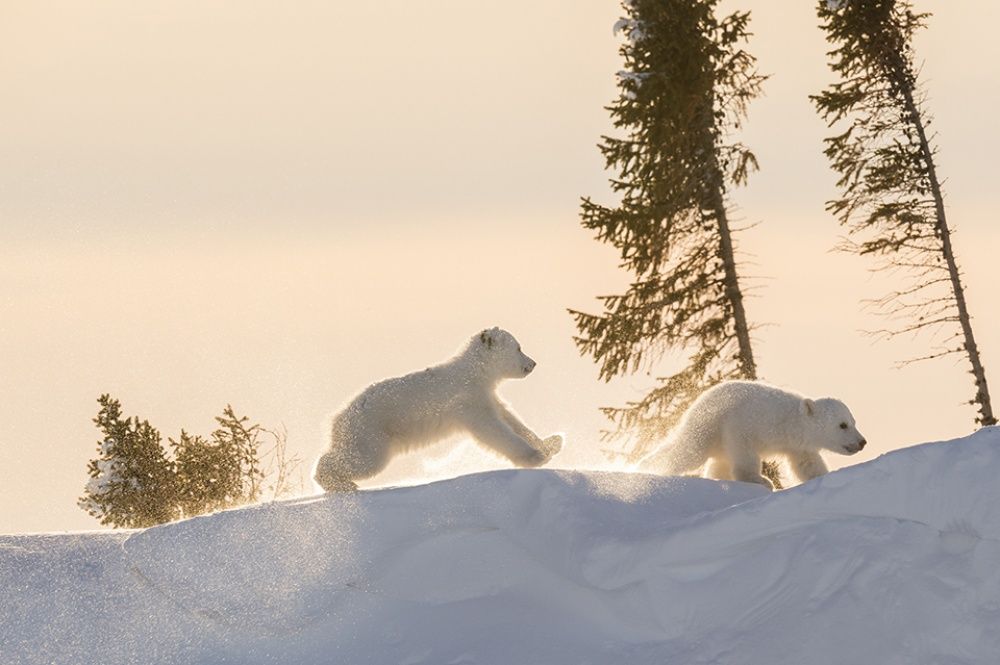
[
  {"x": 891, "y": 198},
  {"x": 131, "y": 481},
  {"x": 207, "y": 475},
  {"x": 684, "y": 90},
  {"x": 134, "y": 483},
  {"x": 241, "y": 441},
  {"x": 222, "y": 471}
]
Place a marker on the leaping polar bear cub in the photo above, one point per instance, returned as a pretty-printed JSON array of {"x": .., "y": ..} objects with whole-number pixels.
[
  {"x": 736, "y": 423},
  {"x": 409, "y": 412}
]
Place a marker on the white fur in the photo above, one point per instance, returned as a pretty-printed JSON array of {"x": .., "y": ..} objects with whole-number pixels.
[
  {"x": 735, "y": 424},
  {"x": 409, "y": 412}
]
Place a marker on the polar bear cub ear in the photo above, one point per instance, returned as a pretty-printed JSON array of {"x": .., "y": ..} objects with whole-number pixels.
[
  {"x": 808, "y": 407},
  {"x": 488, "y": 337}
]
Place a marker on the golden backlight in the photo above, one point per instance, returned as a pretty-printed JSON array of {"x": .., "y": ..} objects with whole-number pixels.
[{"x": 273, "y": 205}]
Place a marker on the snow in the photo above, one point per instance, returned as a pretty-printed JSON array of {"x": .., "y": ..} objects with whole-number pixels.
[
  {"x": 892, "y": 561},
  {"x": 636, "y": 78},
  {"x": 631, "y": 28},
  {"x": 633, "y": 78},
  {"x": 108, "y": 476}
]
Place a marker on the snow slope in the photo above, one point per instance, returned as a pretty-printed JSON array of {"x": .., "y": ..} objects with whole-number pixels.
[{"x": 893, "y": 561}]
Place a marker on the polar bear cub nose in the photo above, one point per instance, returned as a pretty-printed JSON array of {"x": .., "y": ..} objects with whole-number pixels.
[
  {"x": 862, "y": 444},
  {"x": 530, "y": 365}
]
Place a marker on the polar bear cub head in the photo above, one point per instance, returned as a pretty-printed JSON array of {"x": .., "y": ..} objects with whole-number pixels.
[
  {"x": 831, "y": 426},
  {"x": 499, "y": 353}
]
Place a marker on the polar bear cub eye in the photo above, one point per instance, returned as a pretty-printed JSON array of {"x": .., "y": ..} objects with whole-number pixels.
[{"x": 843, "y": 425}]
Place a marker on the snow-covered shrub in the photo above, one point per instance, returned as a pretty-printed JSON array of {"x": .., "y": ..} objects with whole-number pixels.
[
  {"x": 131, "y": 481},
  {"x": 136, "y": 482},
  {"x": 219, "y": 472}
]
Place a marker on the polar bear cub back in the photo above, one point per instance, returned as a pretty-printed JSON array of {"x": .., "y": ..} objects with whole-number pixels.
[
  {"x": 737, "y": 423},
  {"x": 407, "y": 412}
]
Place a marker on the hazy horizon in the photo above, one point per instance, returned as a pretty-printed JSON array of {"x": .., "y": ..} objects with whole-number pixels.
[{"x": 246, "y": 204}]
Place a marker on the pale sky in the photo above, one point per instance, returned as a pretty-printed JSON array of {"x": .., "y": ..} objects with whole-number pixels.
[{"x": 273, "y": 205}]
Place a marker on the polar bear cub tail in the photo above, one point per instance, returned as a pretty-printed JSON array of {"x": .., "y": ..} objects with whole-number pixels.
[
  {"x": 672, "y": 459},
  {"x": 687, "y": 446}
]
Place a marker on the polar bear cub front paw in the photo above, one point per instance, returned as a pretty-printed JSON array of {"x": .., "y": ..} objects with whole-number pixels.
[{"x": 550, "y": 446}]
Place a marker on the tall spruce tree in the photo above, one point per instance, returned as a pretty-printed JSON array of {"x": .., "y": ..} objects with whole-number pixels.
[
  {"x": 892, "y": 202},
  {"x": 684, "y": 90}
]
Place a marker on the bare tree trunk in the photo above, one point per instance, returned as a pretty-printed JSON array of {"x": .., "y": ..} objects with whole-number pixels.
[
  {"x": 982, "y": 397},
  {"x": 747, "y": 364},
  {"x": 748, "y": 368}
]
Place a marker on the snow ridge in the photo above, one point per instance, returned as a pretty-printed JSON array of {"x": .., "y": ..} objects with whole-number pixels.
[{"x": 892, "y": 561}]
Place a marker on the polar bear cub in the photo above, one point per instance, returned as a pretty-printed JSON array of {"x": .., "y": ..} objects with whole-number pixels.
[
  {"x": 409, "y": 412},
  {"x": 735, "y": 424}
]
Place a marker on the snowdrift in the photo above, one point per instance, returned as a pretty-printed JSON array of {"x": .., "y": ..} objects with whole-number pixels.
[{"x": 893, "y": 561}]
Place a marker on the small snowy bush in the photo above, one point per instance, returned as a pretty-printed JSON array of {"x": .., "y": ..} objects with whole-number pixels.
[
  {"x": 131, "y": 481},
  {"x": 135, "y": 483}
]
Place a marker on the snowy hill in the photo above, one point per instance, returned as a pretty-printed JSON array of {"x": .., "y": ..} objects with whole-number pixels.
[{"x": 894, "y": 561}]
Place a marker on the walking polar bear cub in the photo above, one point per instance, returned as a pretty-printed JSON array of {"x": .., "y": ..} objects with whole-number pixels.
[
  {"x": 736, "y": 423},
  {"x": 409, "y": 412}
]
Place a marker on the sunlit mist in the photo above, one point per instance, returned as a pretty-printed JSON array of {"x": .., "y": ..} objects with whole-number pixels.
[{"x": 206, "y": 204}]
